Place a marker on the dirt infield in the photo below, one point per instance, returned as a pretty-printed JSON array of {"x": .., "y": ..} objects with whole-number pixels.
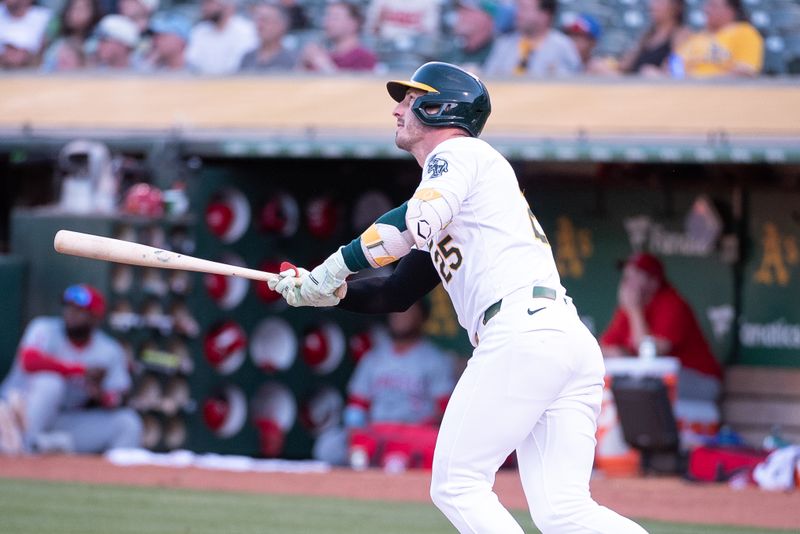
[{"x": 667, "y": 499}]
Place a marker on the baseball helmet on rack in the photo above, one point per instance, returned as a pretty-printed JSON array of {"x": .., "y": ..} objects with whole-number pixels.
[
  {"x": 323, "y": 347},
  {"x": 228, "y": 214},
  {"x": 225, "y": 346},
  {"x": 224, "y": 411},
  {"x": 322, "y": 410},
  {"x": 453, "y": 97},
  {"x": 274, "y": 410}
]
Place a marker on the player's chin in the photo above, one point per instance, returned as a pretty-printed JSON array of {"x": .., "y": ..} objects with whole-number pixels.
[{"x": 401, "y": 141}]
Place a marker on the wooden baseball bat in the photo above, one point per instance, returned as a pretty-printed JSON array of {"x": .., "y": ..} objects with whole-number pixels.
[{"x": 119, "y": 251}]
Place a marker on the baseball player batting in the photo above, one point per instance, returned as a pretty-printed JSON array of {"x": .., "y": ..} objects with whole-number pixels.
[{"x": 534, "y": 382}]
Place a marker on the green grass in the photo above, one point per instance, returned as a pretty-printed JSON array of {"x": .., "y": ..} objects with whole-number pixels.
[{"x": 38, "y": 507}]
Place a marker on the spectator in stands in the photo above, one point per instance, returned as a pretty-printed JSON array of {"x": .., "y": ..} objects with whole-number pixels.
[
  {"x": 298, "y": 20},
  {"x": 585, "y": 31},
  {"x": 535, "y": 49},
  {"x": 342, "y": 25},
  {"x": 75, "y": 26},
  {"x": 666, "y": 32},
  {"x": 403, "y": 22},
  {"x": 67, "y": 57},
  {"x": 473, "y": 29},
  {"x": 648, "y": 305},
  {"x": 139, "y": 11},
  {"x": 396, "y": 396},
  {"x": 272, "y": 23},
  {"x": 17, "y": 51},
  {"x": 729, "y": 45},
  {"x": 66, "y": 388},
  {"x": 117, "y": 38},
  {"x": 170, "y": 36},
  {"x": 22, "y": 32},
  {"x": 220, "y": 40}
]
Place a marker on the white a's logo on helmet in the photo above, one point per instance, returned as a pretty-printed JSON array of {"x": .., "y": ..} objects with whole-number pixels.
[{"x": 437, "y": 166}]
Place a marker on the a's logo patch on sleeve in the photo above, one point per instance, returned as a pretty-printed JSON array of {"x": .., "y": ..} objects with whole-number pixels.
[{"x": 437, "y": 166}]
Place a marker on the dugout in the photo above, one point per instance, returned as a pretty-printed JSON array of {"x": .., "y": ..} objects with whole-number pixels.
[{"x": 707, "y": 175}]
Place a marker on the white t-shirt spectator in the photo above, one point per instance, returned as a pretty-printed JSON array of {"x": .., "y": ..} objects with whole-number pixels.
[
  {"x": 393, "y": 20},
  {"x": 215, "y": 51},
  {"x": 26, "y": 32}
]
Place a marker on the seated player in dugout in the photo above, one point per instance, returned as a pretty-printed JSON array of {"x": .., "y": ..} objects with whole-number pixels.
[
  {"x": 66, "y": 388},
  {"x": 397, "y": 395},
  {"x": 648, "y": 305}
]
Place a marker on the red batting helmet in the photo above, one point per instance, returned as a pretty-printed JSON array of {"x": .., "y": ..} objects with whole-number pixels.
[
  {"x": 228, "y": 215},
  {"x": 224, "y": 347},
  {"x": 225, "y": 411},
  {"x": 323, "y": 347},
  {"x": 321, "y": 217},
  {"x": 262, "y": 288},
  {"x": 144, "y": 199},
  {"x": 359, "y": 344},
  {"x": 274, "y": 413},
  {"x": 227, "y": 291},
  {"x": 215, "y": 411},
  {"x": 280, "y": 215},
  {"x": 322, "y": 410}
]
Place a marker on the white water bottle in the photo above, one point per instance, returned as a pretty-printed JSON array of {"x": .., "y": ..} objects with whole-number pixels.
[{"x": 647, "y": 348}]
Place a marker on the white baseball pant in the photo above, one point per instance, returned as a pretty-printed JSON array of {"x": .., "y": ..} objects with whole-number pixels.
[{"x": 534, "y": 384}]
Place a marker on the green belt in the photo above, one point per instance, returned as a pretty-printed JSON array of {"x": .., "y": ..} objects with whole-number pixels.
[{"x": 538, "y": 292}]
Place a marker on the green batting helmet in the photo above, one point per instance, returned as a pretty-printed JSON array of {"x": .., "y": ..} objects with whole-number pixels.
[{"x": 461, "y": 98}]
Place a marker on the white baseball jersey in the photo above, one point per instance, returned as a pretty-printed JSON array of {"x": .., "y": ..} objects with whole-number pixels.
[{"x": 494, "y": 244}]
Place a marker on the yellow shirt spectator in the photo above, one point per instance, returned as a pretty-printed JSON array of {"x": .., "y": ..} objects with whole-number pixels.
[{"x": 737, "y": 48}]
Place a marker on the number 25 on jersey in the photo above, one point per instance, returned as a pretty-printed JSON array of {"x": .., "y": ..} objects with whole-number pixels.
[{"x": 447, "y": 257}]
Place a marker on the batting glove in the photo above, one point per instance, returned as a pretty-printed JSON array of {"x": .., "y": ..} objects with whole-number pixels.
[
  {"x": 320, "y": 285},
  {"x": 288, "y": 285},
  {"x": 289, "y": 276}
]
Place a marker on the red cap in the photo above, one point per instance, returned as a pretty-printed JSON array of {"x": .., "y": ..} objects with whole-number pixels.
[
  {"x": 649, "y": 264},
  {"x": 86, "y": 297}
]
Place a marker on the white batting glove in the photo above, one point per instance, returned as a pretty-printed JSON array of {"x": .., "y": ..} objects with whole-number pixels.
[
  {"x": 289, "y": 276},
  {"x": 321, "y": 285},
  {"x": 288, "y": 285},
  {"x": 288, "y": 282}
]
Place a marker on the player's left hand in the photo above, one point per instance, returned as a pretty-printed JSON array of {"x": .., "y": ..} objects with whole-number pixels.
[
  {"x": 289, "y": 276},
  {"x": 287, "y": 285}
]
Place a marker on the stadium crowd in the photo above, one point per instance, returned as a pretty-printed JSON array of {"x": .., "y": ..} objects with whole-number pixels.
[{"x": 525, "y": 38}]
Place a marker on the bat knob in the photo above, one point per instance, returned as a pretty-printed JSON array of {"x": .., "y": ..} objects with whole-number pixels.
[{"x": 286, "y": 266}]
